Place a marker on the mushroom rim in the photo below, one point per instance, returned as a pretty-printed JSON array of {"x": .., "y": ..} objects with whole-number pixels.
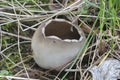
[{"x": 58, "y": 38}]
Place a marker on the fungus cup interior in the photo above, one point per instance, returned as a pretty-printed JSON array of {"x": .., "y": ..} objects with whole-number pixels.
[{"x": 62, "y": 30}]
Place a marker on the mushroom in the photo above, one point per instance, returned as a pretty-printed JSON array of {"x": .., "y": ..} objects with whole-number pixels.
[{"x": 56, "y": 42}]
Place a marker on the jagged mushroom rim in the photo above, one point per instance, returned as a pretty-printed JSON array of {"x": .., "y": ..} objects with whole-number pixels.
[{"x": 58, "y": 38}]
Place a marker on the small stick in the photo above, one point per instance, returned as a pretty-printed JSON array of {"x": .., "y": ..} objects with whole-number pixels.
[
  {"x": 17, "y": 78},
  {"x": 11, "y": 34}
]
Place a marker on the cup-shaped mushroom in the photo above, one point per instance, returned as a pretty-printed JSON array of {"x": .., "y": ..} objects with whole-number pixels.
[{"x": 56, "y": 42}]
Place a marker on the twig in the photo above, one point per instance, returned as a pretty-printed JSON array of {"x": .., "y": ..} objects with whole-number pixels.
[
  {"x": 11, "y": 34},
  {"x": 17, "y": 78}
]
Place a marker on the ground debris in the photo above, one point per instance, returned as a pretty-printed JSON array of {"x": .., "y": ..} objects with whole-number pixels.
[{"x": 108, "y": 70}]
